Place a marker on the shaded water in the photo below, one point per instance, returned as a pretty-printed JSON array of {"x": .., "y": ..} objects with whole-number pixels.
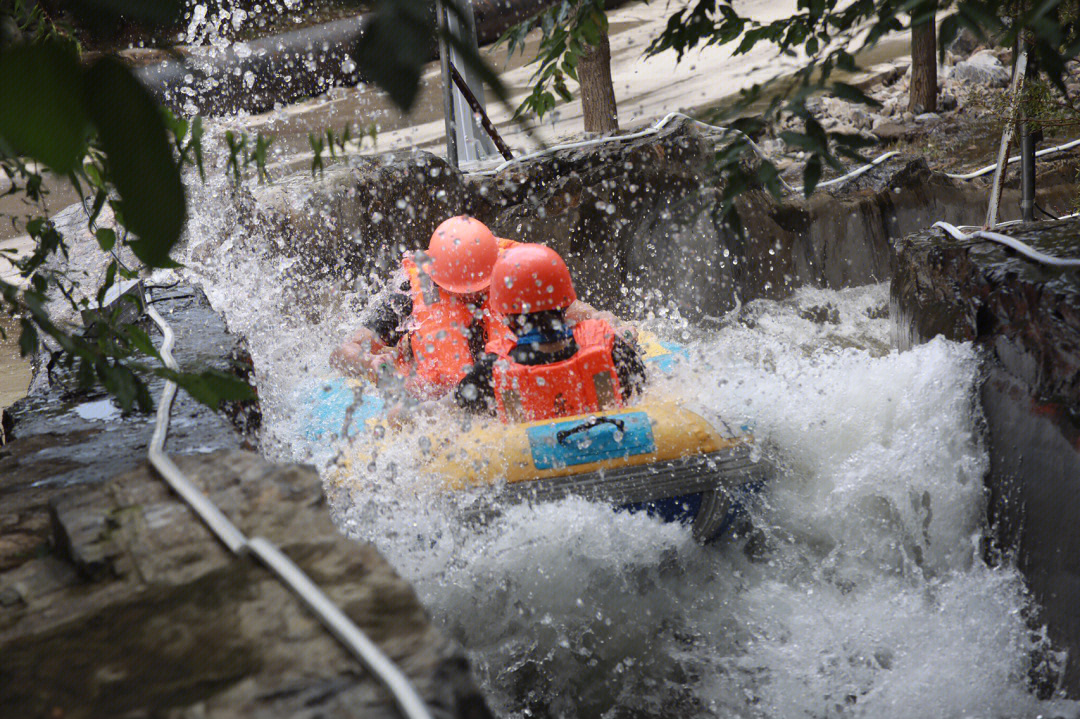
[{"x": 857, "y": 588}]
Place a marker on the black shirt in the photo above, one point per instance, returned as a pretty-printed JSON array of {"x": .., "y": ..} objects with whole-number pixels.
[
  {"x": 390, "y": 312},
  {"x": 476, "y": 392}
]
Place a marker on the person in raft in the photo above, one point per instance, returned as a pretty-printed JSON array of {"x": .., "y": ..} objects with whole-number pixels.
[
  {"x": 435, "y": 319},
  {"x": 554, "y": 366}
]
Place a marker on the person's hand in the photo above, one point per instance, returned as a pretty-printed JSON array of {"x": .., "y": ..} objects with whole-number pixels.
[
  {"x": 581, "y": 310},
  {"x": 362, "y": 355},
  {"x": 621, "y": 329}
]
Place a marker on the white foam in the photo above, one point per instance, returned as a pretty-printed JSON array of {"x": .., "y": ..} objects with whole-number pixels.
[{"x": 860, "y": 593}]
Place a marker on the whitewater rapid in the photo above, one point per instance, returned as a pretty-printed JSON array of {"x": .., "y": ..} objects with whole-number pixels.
[{"x": 857, "y": 589}]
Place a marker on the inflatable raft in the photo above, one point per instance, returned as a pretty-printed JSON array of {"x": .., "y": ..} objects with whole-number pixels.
[{"x": 661, "y": 457}]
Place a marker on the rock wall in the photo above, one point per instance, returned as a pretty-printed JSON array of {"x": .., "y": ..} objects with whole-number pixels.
[
  {"x": 1026, "y": 319},
  {"x": 115, "y": 600},
  {"x": 637, "y": 221},
  {"x": 137, "y": 609}
]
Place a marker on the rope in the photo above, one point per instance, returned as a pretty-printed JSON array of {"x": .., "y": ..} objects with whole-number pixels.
[
  {"x": 370, "y": 656},
  {"x": 790, "y": 188},
  {"x": 1015, "y": 244}
]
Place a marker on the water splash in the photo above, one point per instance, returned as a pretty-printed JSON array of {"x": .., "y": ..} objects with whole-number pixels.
[{"x": 857, "y": 588}]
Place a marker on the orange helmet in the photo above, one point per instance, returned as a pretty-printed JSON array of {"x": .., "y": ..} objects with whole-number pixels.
[
  {"x": 530, "y": 278},
  {"x": 462, "y": 252}
]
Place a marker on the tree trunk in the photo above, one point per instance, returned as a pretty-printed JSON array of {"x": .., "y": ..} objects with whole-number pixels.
[
  {"x": 597, "y": 92},
  {"x": 922, "y": 95}
]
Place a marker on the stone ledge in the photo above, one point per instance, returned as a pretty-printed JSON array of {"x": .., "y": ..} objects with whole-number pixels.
[{"x": 139, "y": 610}]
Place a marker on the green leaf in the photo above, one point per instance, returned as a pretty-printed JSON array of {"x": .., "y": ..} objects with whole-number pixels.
[
  {"x": 211, "y": 387},
  {"x": 40, "y": 113},
  {"x": 141, "y": 341},
  {"x": 110, "y": 277},
  {"x": 106, "y": 238},
  {"x": 851, "y": 93},
  {"x": 394, "y": 48},
  {"x": 140, "y": 159},
  {"x": 947, "y": 30},
  {"x": 28, "y": 339},
  {"x": 811, "y": 174}
]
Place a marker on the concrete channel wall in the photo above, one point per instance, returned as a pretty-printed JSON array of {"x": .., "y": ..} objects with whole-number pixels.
[{"x": 1025, "y": 318}]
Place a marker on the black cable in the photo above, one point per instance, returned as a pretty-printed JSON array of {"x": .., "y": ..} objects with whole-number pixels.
[{"x": 1051, "y": 216}]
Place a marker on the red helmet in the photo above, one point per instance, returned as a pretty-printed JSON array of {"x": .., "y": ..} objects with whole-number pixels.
[
  {"x": 530, "y": 278},
  {"x": 462, "y": 252}
]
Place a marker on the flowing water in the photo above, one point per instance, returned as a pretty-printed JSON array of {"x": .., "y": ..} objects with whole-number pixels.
[{"x": 856, "y": 588}]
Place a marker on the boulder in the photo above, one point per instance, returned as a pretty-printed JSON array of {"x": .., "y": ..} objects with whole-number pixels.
[
  {"x": 983, "y": 68},
  {"x": 964, "y": 43},
  {"x": 888, "y": 131},
  {"x": 349, "y": 228},
  {"x": 136, "y": 609}
]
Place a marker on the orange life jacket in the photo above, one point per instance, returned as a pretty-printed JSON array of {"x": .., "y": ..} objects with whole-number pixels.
[
  {"x": 437, "y": 356},
  {"x": 586, "y": 382}
]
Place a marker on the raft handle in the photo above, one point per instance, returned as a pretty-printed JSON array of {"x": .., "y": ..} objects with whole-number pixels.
[{"x": 563, "y": 435}]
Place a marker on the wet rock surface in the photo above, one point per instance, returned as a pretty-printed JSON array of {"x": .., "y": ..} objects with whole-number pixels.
[
  {"x": 115, "y": 600},
  {"x": 1026, "y": 317},
  {"x": 59, "y": 436},
  {"x": 137, "y": 610},
  {"x": 349, "y": 229}
]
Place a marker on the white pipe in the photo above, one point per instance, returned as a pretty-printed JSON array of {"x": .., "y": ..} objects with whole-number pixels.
[
  {"x": 855, "y": 173},
  {"x": 835, "y": 181},
  {"x": 370, "y": 656},
  {"x": 623, "y": 138},
  {"x": 1015, "y": 244},
  {"x": 1015, "y": 158}
]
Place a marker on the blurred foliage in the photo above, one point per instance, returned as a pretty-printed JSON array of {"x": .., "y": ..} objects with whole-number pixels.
[
  {"x": 824, "y": 37},
  {"x": 829, "y": 34},
  {"x": 567, "y": 29},
  {"x": 398, "y": 42},
  {"x": 92, "y": 124},
  {"x": 334, "y": 144}
]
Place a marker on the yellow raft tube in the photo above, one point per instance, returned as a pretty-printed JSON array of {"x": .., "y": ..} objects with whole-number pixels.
[{"x": 656, "y": 456}]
